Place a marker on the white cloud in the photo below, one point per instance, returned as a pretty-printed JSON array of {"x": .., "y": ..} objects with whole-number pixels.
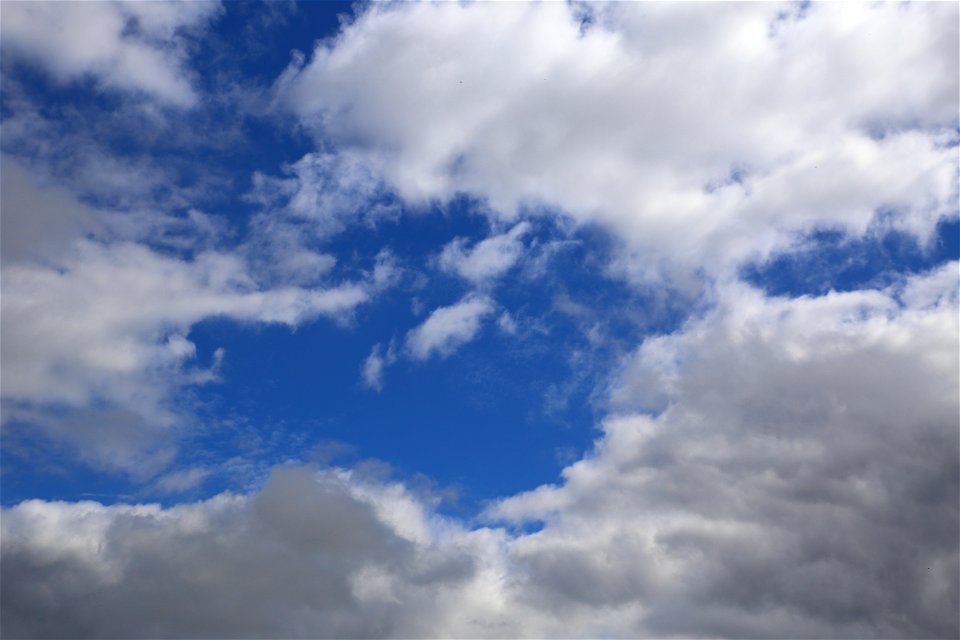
[
  {"x": 124, "y": 302},
  {"x": 131, "y": 46},
  {"x": 702, "y": 136},
  {"x": 181, "y": 481},
  {"x": 98, "y": 326},
  {"x": 447, "y": 328},
  {"x": 775, "y": 467},
  {"x": 507, "y": 324},
  {"x": 488, "y": 259},
  {"x": 375, "y": 363},
  {"x": 328, "y": 190}
]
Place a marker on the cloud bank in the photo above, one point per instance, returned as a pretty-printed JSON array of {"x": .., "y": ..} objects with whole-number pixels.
[{"x": 800, "y": 481}]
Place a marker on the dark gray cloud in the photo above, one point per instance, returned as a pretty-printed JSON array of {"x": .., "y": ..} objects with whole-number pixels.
[{"x": 303, "y": 557}]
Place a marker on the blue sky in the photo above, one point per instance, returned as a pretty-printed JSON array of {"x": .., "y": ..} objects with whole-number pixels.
[{"x": 472, "y": 320}]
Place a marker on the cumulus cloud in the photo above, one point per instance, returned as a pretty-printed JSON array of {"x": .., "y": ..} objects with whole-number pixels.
[
  {"x": 799, "y": 478},
  {"x": 488, "y": 259},
  {"x": 728, "y": 505},
  {"x": 447, "y": 328},
  {"x": 777, "y": 467},
  {"x": 312, "y": 554},
  {"x": 702, "y": 136},
  {"x": 802, "y": 480},
  {"x": 130, "y": 46}
]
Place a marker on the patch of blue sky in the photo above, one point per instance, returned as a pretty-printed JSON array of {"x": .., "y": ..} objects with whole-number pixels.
[
  {"x": 500, "y": 414},
  {"x": 830, "y": 260}
]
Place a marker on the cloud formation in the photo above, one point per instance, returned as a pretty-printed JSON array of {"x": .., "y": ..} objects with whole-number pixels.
[
  {"x": 487, "y": 259},
  {"x": 799, "y": 477},
  {"x": 98, "y": 324},
  {"x": 769, "y": 467},
  {"x": 375, "y": 364},
  {"x": 801, "y": 481},
  {"x": 310, "y": 555},
  {"x": 702, "y": 136},
  {"x": 130, "y": 46},
  {"x": 447, "y": 328}
]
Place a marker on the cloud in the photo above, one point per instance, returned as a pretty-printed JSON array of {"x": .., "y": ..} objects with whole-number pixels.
[
  {"x": 774, "y": 467},
  {"x": 802, "y": 481},
  {"x": 375, "y": 363},
  {"x": 312, "y": 554},
  {"x": 181, "y": 481},
  {"x": 701, "y": 137},
  {"x": 39, "y": 222},
  {"x": 95, "y": 327},
  {"x": 447, "y": 328},
  {"x": 322, "y": 195},
  {"x": 330, "y": 191},
  {"x": 507, "y": 324},
  {"x": 488, "y": 259},
  {"x": 129, "y": 46},
  {"x": 798, "y": 478}
]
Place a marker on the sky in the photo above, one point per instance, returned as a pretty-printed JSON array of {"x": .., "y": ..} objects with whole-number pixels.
[{"x": 479, "y": 320}]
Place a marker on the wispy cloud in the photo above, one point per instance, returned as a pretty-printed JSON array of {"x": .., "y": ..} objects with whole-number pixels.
[{"x": 447, "y": 328}]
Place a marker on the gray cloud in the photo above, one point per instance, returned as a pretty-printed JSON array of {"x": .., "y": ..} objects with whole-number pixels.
[
  {"x": 802, "y": 481},
  {"x": 307, "y": 556}
]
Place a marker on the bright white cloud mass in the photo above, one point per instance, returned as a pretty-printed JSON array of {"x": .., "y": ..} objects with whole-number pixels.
[{"x": 480, "y": 320}]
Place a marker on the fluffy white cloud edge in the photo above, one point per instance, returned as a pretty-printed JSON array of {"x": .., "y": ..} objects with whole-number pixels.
[
  {"x": 130, "y": 46},
  {"x": 701, "y": 137}
]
